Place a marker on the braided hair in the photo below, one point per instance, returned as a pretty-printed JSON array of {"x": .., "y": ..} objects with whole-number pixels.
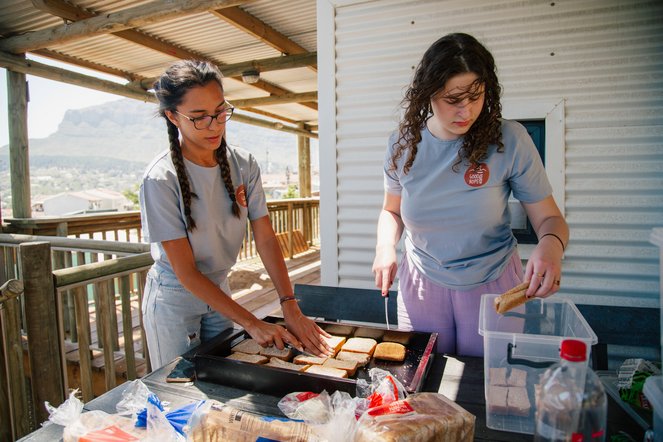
[
  {"x": 449, "y": 56},
  {"x": 170, "y": 89}
]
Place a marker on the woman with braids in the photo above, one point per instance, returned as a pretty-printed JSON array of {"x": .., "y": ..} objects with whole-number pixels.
[
  {"x": 448, "y": 173},
  {"x": 195, "y": 201}
]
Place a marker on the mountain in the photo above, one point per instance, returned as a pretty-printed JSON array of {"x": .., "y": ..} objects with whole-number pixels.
[{"x": 110, "y": 145}]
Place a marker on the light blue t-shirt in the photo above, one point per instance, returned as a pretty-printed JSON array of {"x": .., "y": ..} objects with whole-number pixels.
[
  {"x": 457, "y": 224},
  {"x": 218, "y": 236}
]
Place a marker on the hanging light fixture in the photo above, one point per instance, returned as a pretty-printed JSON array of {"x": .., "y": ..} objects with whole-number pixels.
[{"x": 251, "y": 76}]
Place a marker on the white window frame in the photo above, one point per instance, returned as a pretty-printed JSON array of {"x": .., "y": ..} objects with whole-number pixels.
[{"x": 552, "y": 112}]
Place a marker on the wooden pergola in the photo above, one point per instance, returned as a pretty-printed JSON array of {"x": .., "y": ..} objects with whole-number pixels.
[{"x": 272, "y": 39}]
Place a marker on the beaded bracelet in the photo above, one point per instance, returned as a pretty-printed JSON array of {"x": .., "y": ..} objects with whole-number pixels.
[
  {"x": 287, "y": 298},
  {"x": 558, "y": 239}
]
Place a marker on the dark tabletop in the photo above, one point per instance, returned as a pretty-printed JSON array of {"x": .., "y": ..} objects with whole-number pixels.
[{"x": 457, "y": 377}]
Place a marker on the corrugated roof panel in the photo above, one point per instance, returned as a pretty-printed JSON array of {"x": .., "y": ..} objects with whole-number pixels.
[
  {"x": 19, "y": 16},
  {"x": 296, "y": 19},
  {"x": 604, "y": 58}
]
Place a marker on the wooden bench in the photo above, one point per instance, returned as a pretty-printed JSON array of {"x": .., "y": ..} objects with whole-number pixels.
[
  {"x": 346, "y": 304},
  {"x": 617, "y": 325}
]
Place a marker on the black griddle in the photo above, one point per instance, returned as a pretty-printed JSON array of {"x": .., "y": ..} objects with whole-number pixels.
[{"x": 211, "y": 365}]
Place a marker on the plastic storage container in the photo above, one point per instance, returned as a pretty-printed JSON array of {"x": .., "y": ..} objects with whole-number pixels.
[
  {"x": 653, "y": 390},
  {"x": 518, "y": 347}
]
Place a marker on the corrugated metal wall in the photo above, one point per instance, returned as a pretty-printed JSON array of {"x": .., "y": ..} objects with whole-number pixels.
[{"x": 603, "y": 57}]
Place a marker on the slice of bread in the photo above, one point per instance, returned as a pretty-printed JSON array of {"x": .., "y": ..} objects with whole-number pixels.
[
  {"x": 349, "y": 366},
  {"x": 366, "y": 332},
  {"x": 517, "y": 378},
  {"x": 251, "y": 359},
  {"x": 308, "y": 360},
  {"x": 496, "y": 400},
  {"x": 518, "y": 402},
  {"x": 273, "y": 352},
  {"x": 335, "y": 342},
  {"x": 339, "y": 329},
  {"x": 402, "y": 337},
  {"x": 390, "y": 351},
  {"x": 280, "y": 363},
  {"x": 360, "y": 358},
  {"x": 360, "y": 345},
  {"x": 249, "y": 346},
  {"x": 327, "y": 371},
  {"x": 512, "y": 298},
  {"x": 497, "y": 376}
]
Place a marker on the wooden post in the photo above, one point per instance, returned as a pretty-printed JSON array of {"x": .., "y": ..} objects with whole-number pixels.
[
  {"x": 142, "y": 280},
  {"x": 83, "y": 326},
  {"x": 17, "y": 111},
  {"x": 46, "y": 372},
  {"x": 304, "y": 164},
  {"x": 14, "y": 399},
  {"x": 291, "y": 226},
  {"x": 105, "y": 334},
  {"x": 127, "y": 327}
]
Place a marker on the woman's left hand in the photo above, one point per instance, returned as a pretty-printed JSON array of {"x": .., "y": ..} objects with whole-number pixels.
[
  {"x": 544, "y": 269},
  {"x": 306, "y": 330}
]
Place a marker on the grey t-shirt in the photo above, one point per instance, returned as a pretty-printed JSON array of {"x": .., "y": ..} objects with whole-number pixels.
[
  {"x": 218, "y": 236},
  {"x": 457, "y": 224}
]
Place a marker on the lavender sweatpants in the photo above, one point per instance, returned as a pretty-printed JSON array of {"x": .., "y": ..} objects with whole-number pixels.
[{"x": 453, "y": 314}]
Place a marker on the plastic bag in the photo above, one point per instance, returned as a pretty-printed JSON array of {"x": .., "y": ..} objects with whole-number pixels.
[
  {"x": 99, "y": 426},
  {"x": 66, "y": 413},
  {"x": 631, "y": 380},
  {"x": 421, "y": 417},
  {"x": 331, "y": 418},
  {"x": 383, "y": 389},
  {"x": 215, "y": 421},
  {"x": 177, "y": 418}
]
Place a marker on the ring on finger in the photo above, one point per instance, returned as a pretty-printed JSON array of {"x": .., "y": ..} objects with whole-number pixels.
[
  {"x": 540, "y": 275},
  {"x": 558, "y": 282}
]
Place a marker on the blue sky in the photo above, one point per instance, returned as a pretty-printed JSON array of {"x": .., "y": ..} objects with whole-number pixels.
[{"x": 49, "y": 100}]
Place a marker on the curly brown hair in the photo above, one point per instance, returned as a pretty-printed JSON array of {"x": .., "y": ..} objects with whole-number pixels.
[
  {"x": 170, "y": 89},
  {"x": 449, "y": 56}
]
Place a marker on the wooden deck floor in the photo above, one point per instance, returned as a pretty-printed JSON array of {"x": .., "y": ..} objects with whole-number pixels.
[{"x": 251, "y": 288}]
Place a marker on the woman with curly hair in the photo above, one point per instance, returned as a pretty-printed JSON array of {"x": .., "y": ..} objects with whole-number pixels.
[
  {"x": 449, "y": 171},
  {"x": 195, "y": 200}
]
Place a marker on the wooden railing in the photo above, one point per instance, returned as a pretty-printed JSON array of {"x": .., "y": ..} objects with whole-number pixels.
[
  {"x": 294, "y": 218},
  {"x": 66, "y": 290},
  {"x": 64, "y": 307}
]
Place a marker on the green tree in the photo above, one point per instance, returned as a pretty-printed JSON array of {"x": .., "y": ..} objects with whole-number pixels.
[
  {"x": 292, "y": 192},
  {"x": 132, "y": 195}
]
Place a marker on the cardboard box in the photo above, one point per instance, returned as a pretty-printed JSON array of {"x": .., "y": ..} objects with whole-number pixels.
[{"x": 518, "y": 348}]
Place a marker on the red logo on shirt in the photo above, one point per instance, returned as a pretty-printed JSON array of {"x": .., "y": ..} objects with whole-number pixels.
[
  {"x": 240, "y": 195},
  {"x": 477, "y": 175}
]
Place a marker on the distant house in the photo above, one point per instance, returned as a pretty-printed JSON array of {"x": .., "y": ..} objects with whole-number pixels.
[{"x": 85, "y": 201}]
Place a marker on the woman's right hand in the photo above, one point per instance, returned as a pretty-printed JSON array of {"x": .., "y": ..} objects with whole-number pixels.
[
  {"x": 267, "y": 335},
  {"x": 384, "y": 267}
]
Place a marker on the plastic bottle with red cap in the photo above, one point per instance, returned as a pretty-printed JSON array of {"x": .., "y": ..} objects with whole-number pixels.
[{"x": 571, "y": 404}]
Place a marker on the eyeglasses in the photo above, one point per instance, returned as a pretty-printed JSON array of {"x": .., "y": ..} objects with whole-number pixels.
[{"x": 204, "y": 122}]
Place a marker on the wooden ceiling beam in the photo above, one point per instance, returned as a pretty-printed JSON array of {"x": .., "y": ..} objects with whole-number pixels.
[
  {"x": 60, "y": 8},
  {"x": 259, "y": 29},
  {"x": 146, "y": 14},
  {"x": 276, "y": 99},
  {"x": 31, "y": 67},
  {"x": 54, "y": 55},
  {"x": 263, "y": 65},
  {"x": 273, "y": 125}
]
